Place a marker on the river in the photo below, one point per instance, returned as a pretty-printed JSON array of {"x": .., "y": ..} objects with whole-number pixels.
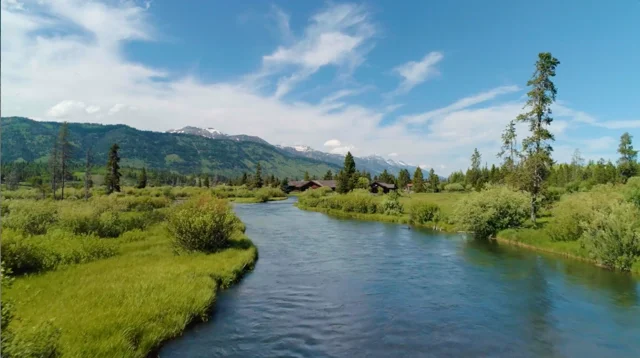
[{"x": 326, "y": 287}]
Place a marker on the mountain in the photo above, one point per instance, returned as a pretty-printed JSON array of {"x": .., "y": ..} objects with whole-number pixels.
[
  {"x": 373, "y": 164},
  {"x": 29, "y": 140},
  {"x": 216, "y": 134}
]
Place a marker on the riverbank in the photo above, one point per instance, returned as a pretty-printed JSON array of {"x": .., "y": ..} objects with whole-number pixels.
[
  {"x": 533, "y": 239},
  {"x": 126, "y": 306}
]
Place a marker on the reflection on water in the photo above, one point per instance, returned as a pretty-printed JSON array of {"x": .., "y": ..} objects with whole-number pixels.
[{"x": 327, "y": 287}]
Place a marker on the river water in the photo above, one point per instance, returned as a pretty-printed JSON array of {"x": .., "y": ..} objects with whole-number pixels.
[{"x": 325, "y": 287}]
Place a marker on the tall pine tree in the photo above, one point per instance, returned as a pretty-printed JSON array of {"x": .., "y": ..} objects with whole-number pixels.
[
  {"x": 65, "y": 154},
  {"x": 347, "y": 177},
  {"x": 142, "y": 179},
  {"x": 257, "y": 180},
  {"x": 403, "y": 178},
  {"x": 537, "y": 147},
  {"x": 112, "y": 178},
  {"x": 418, "y": 181},
  {"x": 627, "y": 163}
]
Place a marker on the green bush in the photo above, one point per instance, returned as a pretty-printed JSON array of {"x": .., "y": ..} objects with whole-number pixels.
[
  {"x": 31, "y": 217},
  {"x": 454, "y": 187},
  {"x": 424, "y": 212},
  {"x": 202, "y": 224},
  {"x": 632, "y": 191},
  {"x": 391, "y": 204},
  {"x": 41, "y": 253},
  {"x": 612, "y": 236},
  {"x": 493, "y": 209}
]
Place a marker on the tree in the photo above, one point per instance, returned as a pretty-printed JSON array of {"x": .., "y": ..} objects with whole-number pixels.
[
  {"x": 244, "y": 179},
  {"x": 37, "y": 183},
  {"x": 206, "y": 181},
  {"x": 403, "y": 178},
  {"x": 434, "y": 181},
  {"x": 627, "y": 163},
  {"x": 418, "y": 181},
  {"x": 284, "y": 185},
  {"x": 347, "y": 177},
  {"x": 509, "y": 150},
  {"x": 474, "y": 174},
  {"x": 65, "y": 154},
  {"x": 328, "y": 175},
  {"x": 142, "y": 179},
  {"x": 257, "y": 180},
  {"x": 13, "y": 179},
  {"x": 88, "y": 183},
  {"x": 362, "y": 183},
  {"x": 306, "y": 176},
  {"x": 112, "y": 178},
  {"x": 53, "y": 167},
  {"x": 385, "y": 177},
  {"x": 536, "y": 146}
]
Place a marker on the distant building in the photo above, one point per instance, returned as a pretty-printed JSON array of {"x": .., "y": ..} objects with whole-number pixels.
[
  {"x": 302, "y": 185},
  {"x": 386, "y": 187}
]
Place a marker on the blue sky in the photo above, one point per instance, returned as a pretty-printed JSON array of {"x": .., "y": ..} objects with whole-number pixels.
[{"x": 420, "y": 81}]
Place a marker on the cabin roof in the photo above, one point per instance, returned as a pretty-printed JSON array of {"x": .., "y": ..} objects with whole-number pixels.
[
  {"x": 384, "y": 185},
  {"x": 327, "y": 183}
]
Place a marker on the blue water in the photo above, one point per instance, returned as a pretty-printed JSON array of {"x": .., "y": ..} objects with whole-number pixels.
[{"x": 325, "y": 287}]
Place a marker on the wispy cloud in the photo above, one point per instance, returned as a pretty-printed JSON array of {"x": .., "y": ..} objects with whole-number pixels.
[{"x": 413, "y": 73}]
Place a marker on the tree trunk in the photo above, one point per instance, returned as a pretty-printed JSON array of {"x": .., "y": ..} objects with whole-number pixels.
[{"x": 533, "y": 209}]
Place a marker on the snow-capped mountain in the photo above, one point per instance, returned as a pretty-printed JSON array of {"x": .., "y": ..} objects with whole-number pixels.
[
  {"x": 374, "y": 164},
  {"x": 216, "y": 134}
]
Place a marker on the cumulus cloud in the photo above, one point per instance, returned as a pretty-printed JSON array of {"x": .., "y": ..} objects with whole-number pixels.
[
  {"x": 332, "y": 143},
  {"x": 92, "y": 109},
  {"x": 413, "y": 73},
  {"x": 116, "y": 108},
  {"x": 342, "y": 150}
]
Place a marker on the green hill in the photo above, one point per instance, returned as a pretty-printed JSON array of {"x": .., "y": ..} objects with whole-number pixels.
[{"x": 24, "y": 139}]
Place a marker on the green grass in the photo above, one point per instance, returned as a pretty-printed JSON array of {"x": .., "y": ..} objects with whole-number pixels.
[{"x": 127, "y": 305}]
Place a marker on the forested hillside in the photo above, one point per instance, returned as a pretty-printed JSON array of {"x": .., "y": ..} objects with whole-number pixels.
[{"x": 24, "y": 139}]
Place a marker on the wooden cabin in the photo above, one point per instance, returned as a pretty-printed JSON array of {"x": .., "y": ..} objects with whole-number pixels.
[
  {"x": 386, "y": 187},
  {"x": 302, "y": 185}
]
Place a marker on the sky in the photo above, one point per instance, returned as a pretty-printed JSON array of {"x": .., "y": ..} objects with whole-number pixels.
[{"x": 424, "y": 82}]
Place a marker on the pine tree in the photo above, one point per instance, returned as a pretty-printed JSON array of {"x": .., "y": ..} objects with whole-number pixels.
[
  {"x": 509, "y": 147},
  {"x": 65, "y": 154},
  {"x": 418, "y": 181},
  {"x": 328, "y": 175},
  {"x": 474, "y": 174},
  {"x": 257, "y": 183},
  {"x": 244, "y": 179},
  {"x": 403, "y": 178},
  {"x": 434, "y": 181},
  {"x": 537, "y": 147},
  {"x": 206, "y": 181},
  {"x": 284, "y": 185},
  {"x": 142, "y": 179},
  {"x": 627, "y": 164},
  {"x": 306, "y": 176},
  {"x": 54, "y": 167},
  {"x": 112, "y": 178},
  {"x": 88, "y": 183}
]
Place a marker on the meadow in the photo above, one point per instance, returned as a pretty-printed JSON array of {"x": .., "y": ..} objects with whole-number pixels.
[{"x": 116, "y": 275}]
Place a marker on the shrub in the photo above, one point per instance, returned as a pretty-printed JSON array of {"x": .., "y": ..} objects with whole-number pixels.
[
  {"x": 202, "y": 224},
  {"x": 573, "y": 210},
  {"x": 454, "y": 187},
  {"x": 632, "y": 191},
  {"x": 391, "y": 204},
  {"x": 32, "y": 217},
  {"x": 612, "y": 236},
  {"x": 491, "y": 210},
  {"x": 424, "y": 212}
]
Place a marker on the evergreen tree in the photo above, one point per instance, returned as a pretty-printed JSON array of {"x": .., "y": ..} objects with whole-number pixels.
[
  {"x": 306, "y": 176},
  {"x": 244, "y": 179},
  {"x": 65, "y": 154},
  {"x": 284, "y": 185},
  {"x": 434, "y": 181},
  {"x": 206, "y": 181},
  {"x": 627, "y": 163},
  {"x": 418, "y": 181},
  {"x": 257, "y": 183},
  {"x": 537, "y": 147},
  {"x": 142, "y": 179},
  {"x": 347, "y": 177},
  {"x": 37, "y": 183},
  {"x": 328, "y": 175},
  {"x": 474, "y": 174},
  {"x": 54, "y": 167},
  {"x": 112, "y": 178},
  {"x": 342, "y": 183},
  {"x": 403, "y": 178},
  {"x": 88, "y": 183}
]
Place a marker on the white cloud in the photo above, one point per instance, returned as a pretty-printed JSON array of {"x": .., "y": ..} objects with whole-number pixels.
[
  {"x": 92, "y": 109},
  {"x": 334, "y": 37},
  {"x": 66, "y": 108},
  {"x": 342, "y": 150},
  {"x": 394, "y": 154},
  {"x": 414, "y": 73},
  {"x": 460, "y": 104},
  {"x": 116, "y": 108},
  {"x": 332, "y": 143}
]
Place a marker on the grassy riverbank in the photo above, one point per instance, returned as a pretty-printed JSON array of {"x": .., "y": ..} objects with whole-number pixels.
[
  {"x": 566, "y": 227},
  {"x": 104, "y": 278}
]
